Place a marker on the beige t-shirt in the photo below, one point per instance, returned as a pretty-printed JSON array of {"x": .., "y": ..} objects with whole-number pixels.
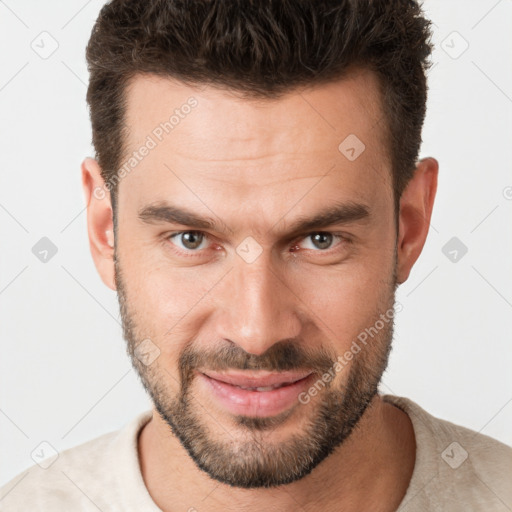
[{"x": 456, "y": 469}]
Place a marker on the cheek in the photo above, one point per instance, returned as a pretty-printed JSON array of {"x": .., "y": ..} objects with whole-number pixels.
[
  {"x": 343, "y": 302},
  {"x": 167, "y": 302}
]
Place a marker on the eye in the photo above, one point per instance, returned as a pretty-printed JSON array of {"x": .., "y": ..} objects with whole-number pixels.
[
  {"x": 189, "y": 241},
  {"x": 320, "y": 241}
]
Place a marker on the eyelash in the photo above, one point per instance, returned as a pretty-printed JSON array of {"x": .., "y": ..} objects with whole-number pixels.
[{"x": 343, "y": 239}]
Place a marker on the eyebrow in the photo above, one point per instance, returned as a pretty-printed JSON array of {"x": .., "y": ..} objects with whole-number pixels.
[{"x": 336, "y": 214}]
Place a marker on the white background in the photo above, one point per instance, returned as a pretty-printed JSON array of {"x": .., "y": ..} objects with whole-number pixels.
[{"x": 64, "y": 375}]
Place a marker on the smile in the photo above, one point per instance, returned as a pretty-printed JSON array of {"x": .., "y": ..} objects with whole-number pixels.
[{"x": 259, "y": 393}]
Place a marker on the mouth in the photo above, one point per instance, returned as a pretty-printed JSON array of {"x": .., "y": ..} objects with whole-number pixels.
[
  {"x": 257, "y": 380},
  {"x": 255, "y": 393}
]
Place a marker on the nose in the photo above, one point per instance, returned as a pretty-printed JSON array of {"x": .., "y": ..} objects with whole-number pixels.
[{"x": 256, "y": 308}]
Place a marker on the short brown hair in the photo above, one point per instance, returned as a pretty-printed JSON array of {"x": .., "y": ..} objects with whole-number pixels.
[{"x": 261, "y": 48}]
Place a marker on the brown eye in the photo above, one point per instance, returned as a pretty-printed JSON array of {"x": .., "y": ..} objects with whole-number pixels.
[{"x": 189, "y": 240}]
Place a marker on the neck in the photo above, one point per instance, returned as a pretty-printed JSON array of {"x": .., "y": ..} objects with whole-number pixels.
[{"x": 371, "y": 470}]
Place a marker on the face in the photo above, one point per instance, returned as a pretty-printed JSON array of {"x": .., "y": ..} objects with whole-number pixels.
[{"x": 252, "y": 254}]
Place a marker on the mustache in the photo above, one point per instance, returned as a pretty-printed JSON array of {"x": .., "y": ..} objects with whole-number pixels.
[{"x": 282, "y": 356}]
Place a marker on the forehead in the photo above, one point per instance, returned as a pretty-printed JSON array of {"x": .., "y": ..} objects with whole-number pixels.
[
  {"x": 350, "y": 105},
  {"x": 215, "y": 138}
]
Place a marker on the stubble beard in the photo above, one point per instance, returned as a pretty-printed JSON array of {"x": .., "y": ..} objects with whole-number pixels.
[{"x": 252, "y": 460}]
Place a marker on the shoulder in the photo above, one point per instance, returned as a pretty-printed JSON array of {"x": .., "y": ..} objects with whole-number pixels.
[
  {"x": 76, "y": 477},
  {"x": 456, "y": 468}
]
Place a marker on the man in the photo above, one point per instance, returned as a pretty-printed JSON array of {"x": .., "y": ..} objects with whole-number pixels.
[{"x": 255, "y": 201}]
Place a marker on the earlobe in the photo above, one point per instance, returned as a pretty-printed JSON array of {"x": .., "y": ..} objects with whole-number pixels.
[
  {"x": 100, "y": 227},
  {"x": 416, "y": 206}
]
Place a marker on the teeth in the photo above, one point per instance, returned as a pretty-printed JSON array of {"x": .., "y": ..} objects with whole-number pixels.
[{"x": 264, "y": 388}]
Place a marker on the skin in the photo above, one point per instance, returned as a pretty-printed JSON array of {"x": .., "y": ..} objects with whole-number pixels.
[{"x": 255, "y": 166}]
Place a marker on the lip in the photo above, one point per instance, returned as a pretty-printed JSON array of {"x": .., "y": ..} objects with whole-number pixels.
[
  {"x": 254, "y": 379},
  {"x": 226, "y": 390}
]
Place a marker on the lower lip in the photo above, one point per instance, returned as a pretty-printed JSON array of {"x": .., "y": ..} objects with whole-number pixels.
[{"x": 255, "y": 403}]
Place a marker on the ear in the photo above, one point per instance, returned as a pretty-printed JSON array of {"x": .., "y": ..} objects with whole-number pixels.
[
  {"x": 416, "y": 206},
  {"x": 100, "y": 227}
]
